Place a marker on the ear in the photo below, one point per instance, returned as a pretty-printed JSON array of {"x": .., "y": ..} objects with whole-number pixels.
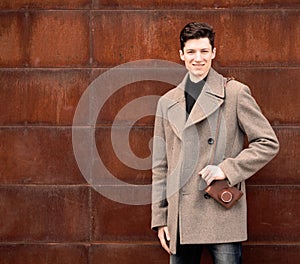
[
  {"x": 214, "y": 52},
  {"x": 181, "y": 55}
]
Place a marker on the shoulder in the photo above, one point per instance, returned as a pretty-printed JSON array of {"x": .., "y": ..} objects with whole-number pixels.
[
  {"x": 172, "y": 94},
  {"x": 235, "y": 88},
  {"x": 176, "y": 93},
  {"x": 171, "y": 97}
]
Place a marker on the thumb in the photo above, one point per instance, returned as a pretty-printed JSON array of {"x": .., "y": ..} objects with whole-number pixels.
[{"x": 167, "y": 233}]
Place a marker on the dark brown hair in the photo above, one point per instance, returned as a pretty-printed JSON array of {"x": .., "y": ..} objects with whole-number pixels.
[{"x": 196, "y": 30}]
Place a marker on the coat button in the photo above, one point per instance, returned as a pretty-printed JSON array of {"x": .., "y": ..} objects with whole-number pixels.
[{"x": 211, "y": 141}]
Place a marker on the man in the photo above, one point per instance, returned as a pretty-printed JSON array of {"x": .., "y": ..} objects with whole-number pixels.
[{"x": 184, "y": 143}]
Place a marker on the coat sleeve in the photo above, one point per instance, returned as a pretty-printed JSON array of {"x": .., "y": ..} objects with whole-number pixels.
[
  {"x": 263, "y": 143},
  {"x": 159, "y": 173}
]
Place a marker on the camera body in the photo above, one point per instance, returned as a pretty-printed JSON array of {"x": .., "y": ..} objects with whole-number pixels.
[{"x": 224, "y": 194}]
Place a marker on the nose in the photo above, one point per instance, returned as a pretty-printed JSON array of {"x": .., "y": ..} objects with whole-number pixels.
[{"x": 198, "y": 56}]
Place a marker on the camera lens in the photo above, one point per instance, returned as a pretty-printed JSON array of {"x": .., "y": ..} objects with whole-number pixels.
[{"x": 226, "y": 196}]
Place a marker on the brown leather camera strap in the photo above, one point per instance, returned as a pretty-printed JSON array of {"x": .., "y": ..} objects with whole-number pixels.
[
  {"x": 203, "y": 184},
  {"x": 212, "y": 158},
  {"x": 218, "y": 124}
]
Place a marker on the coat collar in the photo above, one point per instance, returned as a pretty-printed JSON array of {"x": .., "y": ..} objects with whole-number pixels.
[{"x": 210, "y": 99}]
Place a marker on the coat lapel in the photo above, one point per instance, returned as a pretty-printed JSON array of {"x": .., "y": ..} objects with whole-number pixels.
[
  {"x": 210, "y": 99},
  {"x": 176, "y": 111}
]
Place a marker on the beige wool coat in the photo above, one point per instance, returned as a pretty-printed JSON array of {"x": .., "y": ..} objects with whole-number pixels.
[{"x": 181, "y": 148}]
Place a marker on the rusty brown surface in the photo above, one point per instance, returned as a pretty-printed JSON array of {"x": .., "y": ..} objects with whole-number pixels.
[
  {"x": 273, "y": 214},
  {"x": 51, "y": 51},
  {"x": 41, "y": 253},
  {"x": 12, "y": 52},
  {"x": 120, "y": 222},
  {"x": 192, "y": 4},
  {"x": 128, "y": 253},
  {"x": 44, "y": 214},
  {"x": 45, "y": 97},
  {"x": 147, "y": 4},
  {"x": 155, "y": 35},
  {"x": 139, "y": 140},
  {"x": 269, "y": 254},
  {"x": 44, "y": 39},
  {"x": 58, "y": 39},
  {"x": 41, "y": 4},
  {"x": 38, "y": 156}
]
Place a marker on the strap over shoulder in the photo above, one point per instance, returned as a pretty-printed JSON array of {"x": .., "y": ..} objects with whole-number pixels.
[{"x": 228, "y": 79}]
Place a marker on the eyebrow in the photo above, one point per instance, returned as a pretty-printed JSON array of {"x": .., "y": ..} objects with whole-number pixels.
[{"x": 195, "y": 49}]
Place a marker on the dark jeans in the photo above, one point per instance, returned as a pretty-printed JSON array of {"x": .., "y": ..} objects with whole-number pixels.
[{"x": 230, "y": 253}]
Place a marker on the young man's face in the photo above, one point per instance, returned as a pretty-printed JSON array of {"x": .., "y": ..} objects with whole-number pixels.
[{"x": 198, "y": 55}]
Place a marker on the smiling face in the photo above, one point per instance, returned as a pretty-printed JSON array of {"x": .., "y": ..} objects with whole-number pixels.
[{"x": 197, "y": 55}]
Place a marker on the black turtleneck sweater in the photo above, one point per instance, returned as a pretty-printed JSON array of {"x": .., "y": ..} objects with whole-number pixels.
[{"x": 192, "y": 92}]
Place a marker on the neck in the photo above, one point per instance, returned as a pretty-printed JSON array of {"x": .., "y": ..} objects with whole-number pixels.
[{"x": 195, "y": 78}]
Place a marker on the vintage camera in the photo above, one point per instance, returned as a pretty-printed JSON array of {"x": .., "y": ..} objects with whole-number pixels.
[{"x": 224, "y": 194}]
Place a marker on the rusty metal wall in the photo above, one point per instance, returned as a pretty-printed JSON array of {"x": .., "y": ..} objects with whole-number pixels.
[{"x": 51, "y": 51}]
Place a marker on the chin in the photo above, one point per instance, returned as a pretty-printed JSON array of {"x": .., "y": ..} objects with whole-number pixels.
[{"x": 198, "y": 74}]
